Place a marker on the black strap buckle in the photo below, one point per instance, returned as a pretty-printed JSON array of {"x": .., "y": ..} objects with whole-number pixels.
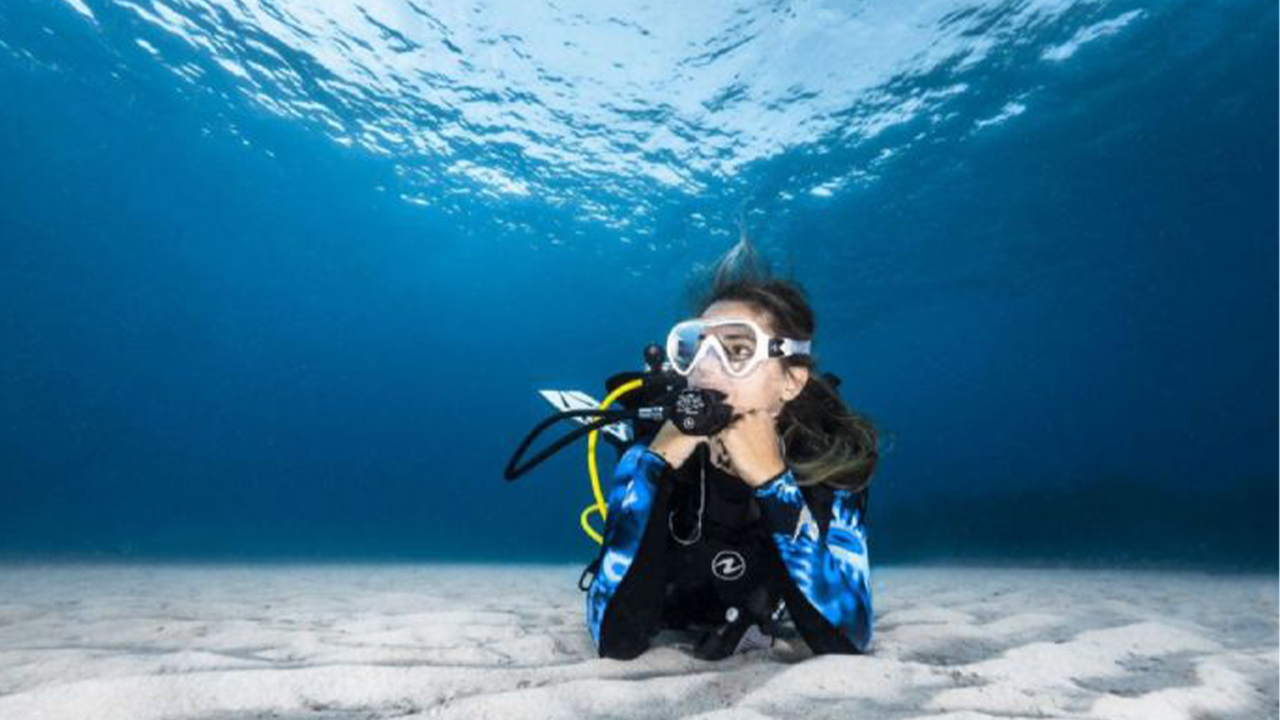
[{"x": 591, "y": 569}]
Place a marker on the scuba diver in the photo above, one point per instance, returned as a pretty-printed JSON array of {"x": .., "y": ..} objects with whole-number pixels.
[{"x": 748, "y": 503}]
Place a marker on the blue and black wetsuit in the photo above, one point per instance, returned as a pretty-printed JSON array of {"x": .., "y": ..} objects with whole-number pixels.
[{"x": 697, "y": 547}]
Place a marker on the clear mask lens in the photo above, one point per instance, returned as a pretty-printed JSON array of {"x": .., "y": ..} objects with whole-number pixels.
[{"x": 735, "y": 343}]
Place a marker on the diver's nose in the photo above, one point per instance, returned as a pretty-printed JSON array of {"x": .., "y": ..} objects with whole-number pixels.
[{"x": 708, "y": 373}]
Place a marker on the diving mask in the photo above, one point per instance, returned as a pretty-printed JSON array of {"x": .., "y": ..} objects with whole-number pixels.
[{"x": 741, "y": 344}]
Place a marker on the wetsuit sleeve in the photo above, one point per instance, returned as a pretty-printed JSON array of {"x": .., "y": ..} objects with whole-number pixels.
[
  {"x": 828, "y": 575},
  {"x": 624, "y": 602}
]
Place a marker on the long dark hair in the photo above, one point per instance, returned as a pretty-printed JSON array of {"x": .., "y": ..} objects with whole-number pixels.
[{"x": 826, "y": 441}]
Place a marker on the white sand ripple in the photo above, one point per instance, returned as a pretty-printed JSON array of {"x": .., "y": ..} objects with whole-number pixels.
[{"x": 142, "y": 642}]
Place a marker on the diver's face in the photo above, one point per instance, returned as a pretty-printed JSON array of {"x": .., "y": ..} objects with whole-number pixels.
[{"x": 768, "y": 387}]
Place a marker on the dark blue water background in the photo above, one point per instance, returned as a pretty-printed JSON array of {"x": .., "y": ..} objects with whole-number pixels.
[{"x": 283, "y": 279}]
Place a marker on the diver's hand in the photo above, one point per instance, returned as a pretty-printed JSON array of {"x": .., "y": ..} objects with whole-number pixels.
[
  {"x": 674, "y": 446},
  {"x": 751, "y": 439}
]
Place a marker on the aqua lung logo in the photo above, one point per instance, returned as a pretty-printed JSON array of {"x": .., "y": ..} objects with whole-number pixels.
[
  {"x": 688, "y": 405},
  {"x": 728, "y": 565}
]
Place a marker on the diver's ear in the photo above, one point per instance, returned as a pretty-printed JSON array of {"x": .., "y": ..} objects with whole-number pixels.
[{"x": 793, "y": 381}]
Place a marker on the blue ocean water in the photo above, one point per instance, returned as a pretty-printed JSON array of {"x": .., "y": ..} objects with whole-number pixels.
[{"x": 282, "y": 279}]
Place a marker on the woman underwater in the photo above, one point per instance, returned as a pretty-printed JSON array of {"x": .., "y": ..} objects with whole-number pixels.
[{"x": 727, "y": 533}]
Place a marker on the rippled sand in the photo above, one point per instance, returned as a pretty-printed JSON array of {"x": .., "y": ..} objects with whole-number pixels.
[{"x": 466, "y": 641}]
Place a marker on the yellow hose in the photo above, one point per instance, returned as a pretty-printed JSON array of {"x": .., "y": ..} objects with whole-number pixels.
[{"x": 593, "y": 439}]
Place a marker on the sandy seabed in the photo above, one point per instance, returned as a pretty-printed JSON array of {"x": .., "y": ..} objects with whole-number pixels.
[{"x": 507, "y": 641}]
